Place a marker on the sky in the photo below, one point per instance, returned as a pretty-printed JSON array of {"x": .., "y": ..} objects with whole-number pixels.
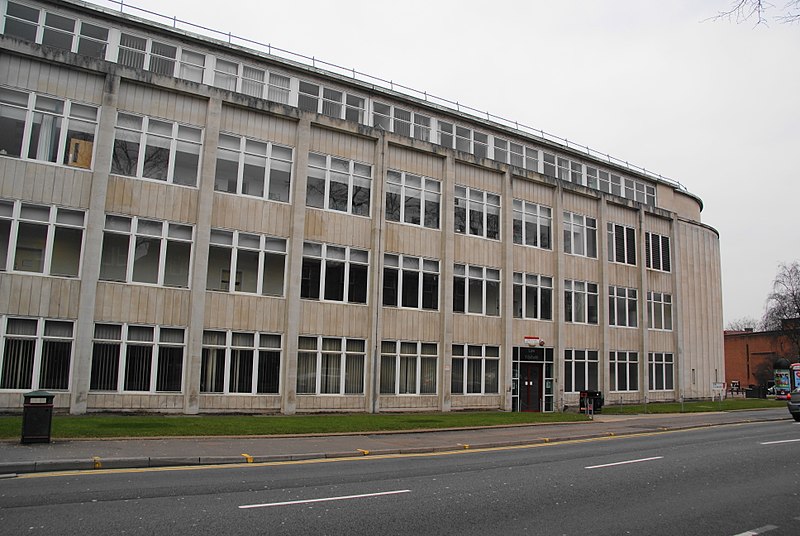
[{"x": 714, "y": 105}]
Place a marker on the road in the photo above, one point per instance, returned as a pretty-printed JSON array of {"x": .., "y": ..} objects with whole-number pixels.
[{"x": 726, "y": 480}]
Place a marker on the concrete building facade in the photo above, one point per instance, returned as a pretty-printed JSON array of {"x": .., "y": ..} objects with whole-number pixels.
[{"x": 190, "y": 226}]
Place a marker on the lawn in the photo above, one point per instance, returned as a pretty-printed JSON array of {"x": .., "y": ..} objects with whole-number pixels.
[{"x": 729, "y": 404}]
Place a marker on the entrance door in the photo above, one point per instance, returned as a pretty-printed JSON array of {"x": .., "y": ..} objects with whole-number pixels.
[{"x": 530, "y": 386}]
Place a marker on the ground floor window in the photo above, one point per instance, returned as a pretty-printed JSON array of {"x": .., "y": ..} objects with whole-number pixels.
[
  {"x": 580, "y": 370},
  {"x": 408, "y": 368},
  {"x": 476, "y": 369},
  {"x": 330, "y": 365},
  {"x": 240, "y": 362},
  {"x": 662, "y": 369},
  {"x": 36, "y": 354},
  {"x": 623, "y": 371}
]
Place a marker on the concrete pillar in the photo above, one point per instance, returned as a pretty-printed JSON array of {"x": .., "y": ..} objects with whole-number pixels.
[
  {"x": 372, "y": 368},
  {"x": 507, "y": 300},
  {"x": 446, "y": 280}
]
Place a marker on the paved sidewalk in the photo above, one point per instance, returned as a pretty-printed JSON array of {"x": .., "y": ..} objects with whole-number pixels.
[{"x": 62, "y": 455}]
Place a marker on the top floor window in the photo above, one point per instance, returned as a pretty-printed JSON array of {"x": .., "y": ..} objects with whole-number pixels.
[
  {"x": 477, "y": 211},
  {"x": 331, "y": 102},
  {"x": 253, "y": 167},
  {"x": 160, "y": 58},
  {"x": 472, "y": 142},
  {"x": 401, "y": 121},
  {"x": 412, "y": 199},
  {"x": 338, "y": 184},
  {"x": 252, "y": 81}
]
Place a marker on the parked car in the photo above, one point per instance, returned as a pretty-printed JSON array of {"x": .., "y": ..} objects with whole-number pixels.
[{"x": 793, "y": 403}]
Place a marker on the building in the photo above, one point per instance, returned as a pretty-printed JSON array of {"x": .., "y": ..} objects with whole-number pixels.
[
  {"x": 192, "y": 226},
  {"x": 751, "y": 356}
]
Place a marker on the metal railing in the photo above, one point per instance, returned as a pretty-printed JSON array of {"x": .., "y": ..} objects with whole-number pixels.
[{"x": 377, "y": 82}]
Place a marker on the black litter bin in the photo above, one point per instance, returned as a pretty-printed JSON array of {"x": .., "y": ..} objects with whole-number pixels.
[
  {"x": 37, "y": 417},
  {"x": 593, "y": 399}
]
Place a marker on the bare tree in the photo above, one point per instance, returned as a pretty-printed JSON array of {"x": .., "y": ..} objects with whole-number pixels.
[
  {"x": 746, "y": 323},
  {"x": 760, "y": 12},
  {"x": 783, "y": 307}
]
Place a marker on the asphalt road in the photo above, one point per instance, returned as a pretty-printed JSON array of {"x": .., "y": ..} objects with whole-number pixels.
[{"x": 727, "y": 480}]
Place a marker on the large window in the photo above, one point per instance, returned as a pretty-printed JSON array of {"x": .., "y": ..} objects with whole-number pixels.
[
  {"x": 338, "y": 184},
  {"x": 154, "y": 149},
  {"x": 621, "y": 244},
  {"x": 661, "y": 371},
  {"x": 580, "y": 370},
  {"x": 623, "y": 371},
  {"x": 240, "y": 362},
  {"x": 331, "y": 102},
  {"x": 330, "y": 366},
  {"x": 55, "y": 30},
  {"x": 36, "y": 354},
  {"x": 40, "y": 239},
  {"x": 515, "y": 154},
  {"x": 580, "y": 235},
  {"x": 44, "y": 128},
  {"x": 622, "y": 307},
  {"x": 146, "y": 251},
  {"x": 533, "y": 296},
  {"x": 563, "y": 168},
  {"x": 410, "y": 282},
  {"x": 253, "y": 81},
  {"x": 401, "y": 121},
  {"x": 532, "y": 224},
  {"x": 476, "y": 290},
  {"x": 656, "y": 249},
  {"x": 476, "y": 369},
  {"x": 252, "y": 167},
  {"x": 408, "y": 368},
  {"x": 412, "y": 199},
  {"x": 580, "y": 302},
  {"x": 137, "y": 358},
  {"x": 334, "y": 273},
  {"x": 477, "y": 213},
  {"x": 659, "y": 307},
  {"x": 614, "y": 184},
  {"x": 160, "y": 58},
  {"x": 246, "y": 262}
]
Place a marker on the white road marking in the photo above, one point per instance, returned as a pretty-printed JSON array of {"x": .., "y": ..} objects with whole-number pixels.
[
  {"x": 324, "y": 499},
  {"x": 782, "y": 441},
  {"x": 624, "y": 463},
  {"x": 760, "y": 530}
]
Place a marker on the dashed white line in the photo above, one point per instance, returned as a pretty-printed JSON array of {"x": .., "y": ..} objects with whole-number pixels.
[
  {"x": 624, "y": 463},
  {"x": 324, "y": 499},
  {"x": 760, "y": 530},
  {"x": 781, "y": 441}
]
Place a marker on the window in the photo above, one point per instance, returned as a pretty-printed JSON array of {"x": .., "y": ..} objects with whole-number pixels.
[
  {"x": 622, "y": 307},
  {"x": 191, "y": 66},
  {"x": 472, "y": 142},
  {"x": 334, "y": 273},
  {"x": 412, "y": 199},
  {"x": 56, "y": 30},
  {"x": 623, "y": 371},
  {"x": 331, "y": 102},
  {"x": 401, "y": 121},
  {"x": 580, "y": 302},
  {"x": 40, "y": 239},
  {"x": 226, "y": 75},
  {"x": 614, "y": 184},
  {"x": 160, "y": 58},
  {"x": 252, "y": 81},
  {"x": 238, "y": 362},
  {"x": 154, "y": 149},
  {"x": 137, "y": 358},
  {"x": 548, "y": 164},
  {"x": 338, "y": 184},
  {"x": 656, "y": 251},
  {"x": 476, "y": 290},
  {"x": 580, "y": 235},
  {"x": 580, "y": 370},
  {"x": 47, "y": 129},
  {"x": 476, "y": 370},
  {"x": 146, "y": 251},
  {"x": 523, "y": 156},
  {"x": 621, "y": 244},
  {"x": 408, "y": 368},
  {"x": 253, "y": 167},
  {"x": 410, "y": 282},
  {"x": 477, "y": 213},
  {"x": 659, "y": 306},
  {"x": 445, "y": 134},
  {"x": 661, "y": 371},
  {"x": 246, "y": 262},
  {"x": 36, "y": 354},
  {"x": 330, "y": 366},
  {"x": 533, "y": 296},
  {"x": 532, "y": 224}
]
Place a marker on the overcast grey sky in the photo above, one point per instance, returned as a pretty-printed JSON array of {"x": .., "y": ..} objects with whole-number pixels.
[{"x": 713, "y": 105}]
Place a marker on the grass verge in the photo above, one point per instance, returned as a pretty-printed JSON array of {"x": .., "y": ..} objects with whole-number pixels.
[{"x": 728, "y": 404}]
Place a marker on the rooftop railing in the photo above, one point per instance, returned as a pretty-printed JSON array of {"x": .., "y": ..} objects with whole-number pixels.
[{"x": 314, "y": 62}]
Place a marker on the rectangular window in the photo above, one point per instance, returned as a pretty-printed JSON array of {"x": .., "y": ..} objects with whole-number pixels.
[
  {"x": 253, "y": 168},
  {"x": 476, "y": 290},
  {"x": 477, "y": 213},
  {"x": 412, "y": 199},
  {"x": 40, "y": 239},
  {"x": 334, "y": 273},
  {"x": 252, "y": 362},
  {"x": 154, "y": 149},
  {"x": 331, "y": 102},
  {"x": 580, "y": 302},
  {"x": 36, "y": 354},
  {"x": 661, "y": 371},
  {"x": 623, "y": 371},
  {"x": 410, "y": 282},
  {"x": 580, "y": 370},
  {"x": 339, "y": 185},
  {"x": 408, "y": 368},
  {"x": 160, "y": 58},
  {"x": 580, "y": 235},
  {"x": 226, "y": 76},
  {"x": 476, "y": 369},
  {"x": 659, "y": 307},
  {"x": 533, "y": 296},
  {"x": 657, "y": 252},
  {"x": 330, "y": 365},
  {"x": 136, "y": 250},
  {"x": 621, "y": 244},
  {"x": 532, "y": 224},
  {"x": 622, "y": 307},
  {"x": 246, "y": 262},
  {"x": 445, "y": 134}
]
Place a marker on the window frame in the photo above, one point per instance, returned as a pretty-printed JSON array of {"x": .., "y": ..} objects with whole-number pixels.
[
  {"x": 243, "y": 155},
  {"x": 37, "y": 354},
  {"x": 660, "y": 244},
  {"x": 661, "y": 371},
  {"x": 425, "y": 270},
  {"x": 623, "y": 371},
  {"x": 242, "y": 243},
  {"x": 485, "y": 354},
  {"x": 429, "y": 191},
  {"x": 659, "y": 309},
  {"x": 465, "y": 276},
  {"x": 623, "y": 307},
  {"x": 464, "y": 199},
  {"x": 353, "y": 176},
  {"x": 580, "y": 298},
  {"x": 261, "y": 344},
  {"x": 321, "y": 252},
  {"x": 525, "y": 214},
  {"x": 621, "y": 244},
  {"x": 399, "y": 352},
  {"x": 344, "y": 351},
  {"x": 542, "y": 284},
  {"x": 590, "y": 372}
]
